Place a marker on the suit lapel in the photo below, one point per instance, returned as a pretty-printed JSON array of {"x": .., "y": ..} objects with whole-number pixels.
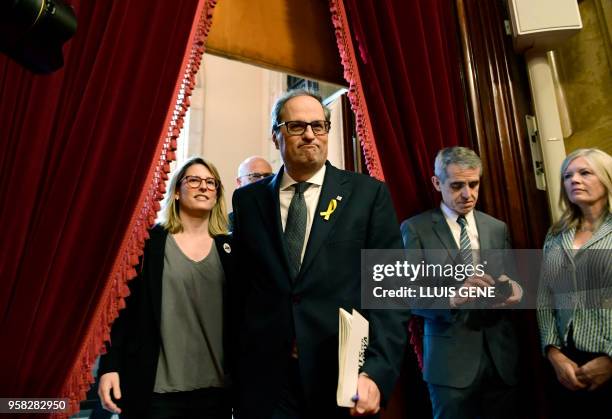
[
  {"x": 155, "y": 262},
  {"x": 565, "y": 240},
  {"x": 601, "y": 233},
  {"x": 567, "y": 243},
  {"x": 441, "y": 229},
  {"x": 335, "y": 185},
  {"x": 269, "y": 207},
  {"x": 484, "y": 233}
]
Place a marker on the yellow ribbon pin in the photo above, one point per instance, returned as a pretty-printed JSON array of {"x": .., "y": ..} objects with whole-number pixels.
[{"x": 330, "y": 209}]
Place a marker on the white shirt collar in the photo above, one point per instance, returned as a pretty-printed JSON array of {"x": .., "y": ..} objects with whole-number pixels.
[
  {"x": 316, "y": 179},
  {"x": 451, "y": 215}
]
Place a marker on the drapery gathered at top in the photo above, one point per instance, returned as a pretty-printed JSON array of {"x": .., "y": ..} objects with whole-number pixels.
[{"x": 85, "y": 152}]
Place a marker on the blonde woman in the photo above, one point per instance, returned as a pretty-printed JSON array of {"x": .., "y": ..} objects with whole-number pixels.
[
  {"x": 575, "y": 302},
  {"x": 166, "y": 355}
]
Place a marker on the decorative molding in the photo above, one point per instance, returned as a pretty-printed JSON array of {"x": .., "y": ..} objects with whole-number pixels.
[
  {"x": 604, "y": 17},
  {"x": 497, "y": 91}
]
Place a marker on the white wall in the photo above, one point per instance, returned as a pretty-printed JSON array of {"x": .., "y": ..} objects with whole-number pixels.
[
  {"x": 335, "y": 147},
  {"x": 230, "y": 117}
]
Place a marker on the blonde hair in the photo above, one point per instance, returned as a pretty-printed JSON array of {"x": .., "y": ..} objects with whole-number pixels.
[
  {"x": 169, "y": 215},
  {"x": 601, "y": 164}
]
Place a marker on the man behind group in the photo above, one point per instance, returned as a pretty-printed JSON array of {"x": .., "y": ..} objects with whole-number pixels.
[
  {"x": 251, "y": 170},
  {"x": 298, "y": 237},
  {"x": 470, "y": 358}
]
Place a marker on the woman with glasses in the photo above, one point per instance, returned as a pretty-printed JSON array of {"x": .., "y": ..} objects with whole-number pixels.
[
  {"x": 575, "y": 297},
  {"x": 166, "y": 354}
]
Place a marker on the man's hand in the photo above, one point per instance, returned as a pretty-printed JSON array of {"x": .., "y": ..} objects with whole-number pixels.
[
  {"x": 367, "y": 398},
  {"x": 515, "y": 297},
  {"x": 565, "y": 369},
  {"x": 472, "y": 282},
  {"x": 108, "y": 382},
  {"x": 595, "y": 372}
]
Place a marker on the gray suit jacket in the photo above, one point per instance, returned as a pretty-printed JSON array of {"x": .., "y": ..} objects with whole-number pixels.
[{"x": 452, "y": 350}]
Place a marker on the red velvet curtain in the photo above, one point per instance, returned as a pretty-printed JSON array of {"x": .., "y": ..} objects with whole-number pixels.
[
  {"x": 84, "y": 154},
  {"x": 402, "y": 61},
  {"x": 409, "y": 65}
]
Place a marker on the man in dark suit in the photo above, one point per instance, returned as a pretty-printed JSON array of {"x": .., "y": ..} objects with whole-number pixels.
[
  {"x": 297, "y": 239},
  {"x": 470, "y": 357}
]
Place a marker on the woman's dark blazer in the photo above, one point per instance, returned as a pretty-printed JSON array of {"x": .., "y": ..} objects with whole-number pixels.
[{"x": 135, "y": 335}]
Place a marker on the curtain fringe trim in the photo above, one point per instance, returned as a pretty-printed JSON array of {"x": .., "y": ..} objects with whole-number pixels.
[
  {"x": 364, "y": 125},
  {"x": 355, "y": 93},
  {"x": 113, "y": 299}
]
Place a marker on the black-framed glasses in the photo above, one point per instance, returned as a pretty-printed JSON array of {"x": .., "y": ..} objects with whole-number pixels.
[
  {"x": 255, "y": 176},
  {"x": 299, "y": 127},
  {"x": 194, "y": 182}
]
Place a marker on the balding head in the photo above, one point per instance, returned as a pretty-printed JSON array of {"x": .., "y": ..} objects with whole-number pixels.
[{"x": 253, "y": 169}]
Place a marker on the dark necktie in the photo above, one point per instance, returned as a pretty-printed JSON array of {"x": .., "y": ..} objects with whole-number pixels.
[
  {"x": 465, "y": 245},
  {"x": 471, "y": 318},
  {"x": 295, "y": 227}
]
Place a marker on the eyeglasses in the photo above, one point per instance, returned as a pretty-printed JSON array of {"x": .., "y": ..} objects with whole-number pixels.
[
  {"x": 194, "y": 182},
  {"x": 255, "y": 176},
  {"x": 299, "y": 127}
]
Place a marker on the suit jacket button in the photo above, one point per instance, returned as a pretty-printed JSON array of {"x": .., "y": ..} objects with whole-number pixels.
[{"x": 296, "y": 298}]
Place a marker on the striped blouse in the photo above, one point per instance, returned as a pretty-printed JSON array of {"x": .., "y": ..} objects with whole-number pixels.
[{"x": 576, "y": 289}]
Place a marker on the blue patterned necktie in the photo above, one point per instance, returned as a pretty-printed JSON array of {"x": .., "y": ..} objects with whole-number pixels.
[
  {"x": 295, "y": 227},
  {"x": 465, "y": 245}
]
